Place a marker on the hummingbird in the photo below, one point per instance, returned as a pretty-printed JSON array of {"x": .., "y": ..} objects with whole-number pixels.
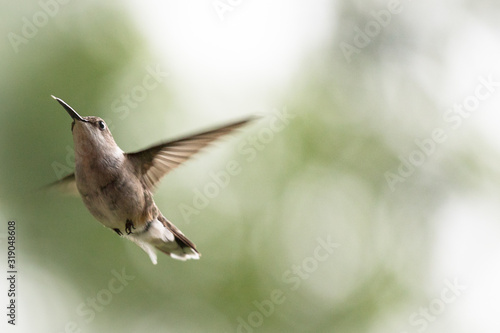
[{"x": 117, "y": 187}]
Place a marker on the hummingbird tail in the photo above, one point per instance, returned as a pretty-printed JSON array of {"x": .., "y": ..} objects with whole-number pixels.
[
  {"x": 181, "y": 248},
  {"x": 179, "y": 251},
  {"x": 164, "y": 236}
]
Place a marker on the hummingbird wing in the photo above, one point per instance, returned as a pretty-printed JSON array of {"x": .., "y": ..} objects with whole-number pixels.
[
  {"x": 155, "y": 162},
  {"x": 66, "y": 185}
]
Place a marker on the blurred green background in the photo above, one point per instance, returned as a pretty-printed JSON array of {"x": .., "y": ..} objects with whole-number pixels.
[{"x": 366, "y": 198}]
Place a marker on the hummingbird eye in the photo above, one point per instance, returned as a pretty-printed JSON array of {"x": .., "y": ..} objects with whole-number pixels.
[{"x": 102, "y": 125}]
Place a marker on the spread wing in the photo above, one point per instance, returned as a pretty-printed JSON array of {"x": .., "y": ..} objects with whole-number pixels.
[
  {"x": 155, "y": 162},
  {"x": 66, "y": 185}
]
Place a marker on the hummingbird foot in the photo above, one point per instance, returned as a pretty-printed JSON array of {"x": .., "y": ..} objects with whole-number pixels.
[
  {"x": 129, "y": 226},
  {"x": 118, "y": 231}
]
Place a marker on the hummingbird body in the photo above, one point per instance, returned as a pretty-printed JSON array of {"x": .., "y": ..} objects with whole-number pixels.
[
  {"x": 107, "y": 184},
  {"x": 117, "y": 187}
]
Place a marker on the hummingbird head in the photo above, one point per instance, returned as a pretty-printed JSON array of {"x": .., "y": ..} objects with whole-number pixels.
[{"x": 90, "y": 134}]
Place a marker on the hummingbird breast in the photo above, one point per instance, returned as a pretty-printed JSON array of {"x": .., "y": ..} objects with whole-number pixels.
[{"x": 113, "y": 193}]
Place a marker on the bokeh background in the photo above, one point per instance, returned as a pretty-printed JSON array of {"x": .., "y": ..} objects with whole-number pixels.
[{"x": 371, "y": 206}]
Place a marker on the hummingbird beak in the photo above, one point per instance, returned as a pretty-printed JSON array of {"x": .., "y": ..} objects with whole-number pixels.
[{"x": 73, "y": 114}]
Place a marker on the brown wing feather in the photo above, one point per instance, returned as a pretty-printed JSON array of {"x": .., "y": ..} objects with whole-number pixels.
[
  {"x": 66, "y": 185},
  {"x": 155, "y": 162}
]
